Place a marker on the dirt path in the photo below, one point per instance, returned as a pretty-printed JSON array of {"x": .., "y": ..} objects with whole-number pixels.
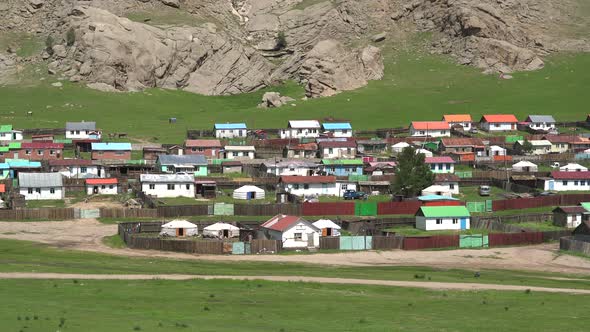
[
  {"x": 87, "y": 235},
  {"x": 413, "y": 284}
]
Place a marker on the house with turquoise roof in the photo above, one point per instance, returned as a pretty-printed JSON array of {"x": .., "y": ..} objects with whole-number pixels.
[
  {"x": 342, "y": 167},
  {"x": 436, "y": 218}
]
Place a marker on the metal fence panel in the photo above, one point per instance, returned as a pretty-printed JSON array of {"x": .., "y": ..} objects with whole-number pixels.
[
  {"x": 356, "y": 242},
  {"x": 473, "y": 241},
  {"x": 223, "y": 209},
  {"x": 238, "y": 248},
  {"x": 476, "y": 206},
  {"x": 464, "y": 175},
  {"x": 90, "y": 214}
]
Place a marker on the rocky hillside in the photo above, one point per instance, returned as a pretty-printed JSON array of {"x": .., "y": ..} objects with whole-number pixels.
[{"x": 219, "y": 47}]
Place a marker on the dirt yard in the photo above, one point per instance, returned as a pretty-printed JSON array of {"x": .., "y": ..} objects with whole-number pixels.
[{"x": 87, "y": 235}]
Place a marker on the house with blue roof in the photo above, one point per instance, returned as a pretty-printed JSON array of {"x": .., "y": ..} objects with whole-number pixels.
[
  {"x": 341, "y": 129},
  {"x": 230, "y": 130},
  {"x": 111, "y": 151},
  {"x": 14, "y": 166}
]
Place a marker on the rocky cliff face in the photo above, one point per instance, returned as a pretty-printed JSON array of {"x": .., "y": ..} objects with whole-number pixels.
[{"x": 234, "y": 46}]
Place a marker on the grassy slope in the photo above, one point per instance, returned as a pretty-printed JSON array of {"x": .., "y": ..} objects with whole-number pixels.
[
  {"x": 415, "y": 87},
  {"x": 223, "y": 305},
  {"x": 20, "y": 256}
]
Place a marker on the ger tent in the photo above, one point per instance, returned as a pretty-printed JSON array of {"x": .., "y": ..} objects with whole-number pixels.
[
  {"x": 221, "y": 230},
  {"x": 328, "y": 227},
  {"x": 179, "y": 228},
  {"x": 524, "y": 166},
  {"x": 248, "y": 192}
]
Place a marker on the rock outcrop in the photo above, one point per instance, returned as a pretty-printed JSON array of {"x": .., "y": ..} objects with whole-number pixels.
[{"x": 274, "y": 99}]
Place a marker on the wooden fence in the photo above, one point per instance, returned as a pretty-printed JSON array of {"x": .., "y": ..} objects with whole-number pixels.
[
  {"x": 510, "y": 239},
  {"x": 182, "y": 210},
  {"x": 39, "y": 214},
  {"x": 388, "y": 242},
  {"x": 260, "y": 246},
  {"x": 128, "y": 213},
  {"x": 427, "y": 242},
  {"x": 266, "y": 209},
  {"x": 578, "y": 243}
]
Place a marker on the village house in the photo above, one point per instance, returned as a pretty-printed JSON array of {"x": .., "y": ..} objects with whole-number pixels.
[
  {"x": 343, "y": 129},
  {"x": 289, "y": 167},
  {"x": 371, "y": 146},
  {"x": 498, "y": 122},
  {"x": 41, "y": 186},
  {"x": 561, "y": 143},
  {"x": 431, "y": 218},
  {"x": 568, "y": 181},
  {"x": 239, "y": 152},
  {"x": 301, "y": 129},
  {"x": 540, "y": 147},
  {"x": 76, "y": 168},
  {"x": 111, "y": 151},
  {"x": 16, "y": 166},
  {"x": 168, "y": 185},
  {"x": 430, "y": 129},
  {"x": 230, "y": 130},
  {"x": 495, "y": 150},
  {"x": 462, "y": 145},
  {"x": 231, "y": 166},
  {"x": 152, "y": 152},
  {"x": 541, "y": 122},
  {"x": 292, "y": 231},
  {"x": 301, "y": 151},
  {"x": 337, "y": 149},
  {"x": 380, "y": 168},
  {"x": 573, "y": 167},
  {"x": 8, "y": 134},
  {"x": 209, "y": 148},
  {"x": 106, "y": 186},
  {"x": 569, "y": 216},
  {"x": 444, "y": 164},
  {"x": 449, "y": 181},
  {"x": 190, "y": 164},
  {"x": 41, "y": 151},
  {"x": 463, "y": 120},
  {"x": 310, "y": 185},
  {"x": 82, "y": 131},
  {"x": 342, "y": 167}
]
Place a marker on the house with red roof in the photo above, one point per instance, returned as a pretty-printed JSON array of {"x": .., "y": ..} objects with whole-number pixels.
[
  {"x": 569, "y": 216},
  {"x": 430, "y": 129},
  {"x": 41, "y": 151},
  {"x": 463, "y": 120},
  {"x": 302, "y": 151},
  {"x": 444, "y": 164},
  {"x": 310, "y": 185},
  {"x": 292, "y": 231},
  {"x": 98, "y": 186},
  {"x": 209, "y": 148},
  {"x": 568, "y": 181},
  {"x": 498, "y": 122}
]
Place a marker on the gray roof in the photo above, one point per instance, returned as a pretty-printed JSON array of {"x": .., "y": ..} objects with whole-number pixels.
[
  {"x": 192, "y": 159},
  {"x": 81, "y": 125},
  {"x": 40, "y": 180},
  {"x": 288, "y": 163},
  {"x": 541, "y": 118}
]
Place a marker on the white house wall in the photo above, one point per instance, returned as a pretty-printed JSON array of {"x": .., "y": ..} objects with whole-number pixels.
[
  {"x": 300, "y": 133},
  {"x": 76, "y": 172},
  {"x": 103, "y": 189},
  {"x": 430, "y": 133},
  {"x": 333, "y": 153},
  {"x": 161, "y": 189},
  {"x": 498, "y": 126},
  {"x": 44, "y": 195},
  {"x": 230, "y": 133},
  {"x": 570, "y": 185},
  {"x": 314, "y": 189},
  {"x": 429, "y": 224}
]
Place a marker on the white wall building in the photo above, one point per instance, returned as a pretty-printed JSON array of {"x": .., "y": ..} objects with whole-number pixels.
[
  {"x": 290, "y": 167},
  {"x": 41, "y": 186},
  {"x": 292, "y": 231},
  {"x": 443, "y": 164},
  {"x": 498, "y": 122},
  {"x": 76, "y": 168},
  {"x": 239, "y": 152},
  {"x": 230, "y": 130},
  {"x": 82, "y": 130},
  {"x": 168, "y": 185},
  {"x": 568, "y": 181},
  {"x": 338, "y": 129},
  {"x": 337, "y": 149},
  {"x": 102, "y": 186},
  {"x": 310, "y": 185},
  {"x": 541, "y": 122},
  {"x": 8, "y": 134},
  {"x": 302, "y": 129},
  {"x": 540, "y": 146},
  {"x": 431, "y": 218},
  {"x": 463, "y": 120},
  {"x": 569, "y": 216},
  {"x": 430, "y": 129}
]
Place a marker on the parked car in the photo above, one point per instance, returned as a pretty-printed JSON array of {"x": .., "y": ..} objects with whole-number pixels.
[
  {"x": 353, "y": 194},
  {"x": 484, "y": 190}
]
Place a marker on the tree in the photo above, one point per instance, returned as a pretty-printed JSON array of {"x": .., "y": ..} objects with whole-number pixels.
[
  {"x": 71, "y": 37},
  {"x": 527, "y": 147},
  {"x": 281, "y": 40},
  {"x": 49, "y": 45},
  {"x": 412, "y": 174}
]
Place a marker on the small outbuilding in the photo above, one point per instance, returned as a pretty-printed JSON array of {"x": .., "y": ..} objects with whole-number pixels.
[
  {"x": 99, "y": 186},
  {"x": 525, "y": 166},
  {"x": 248, "y": 192},
  {"x": 431, "y": 218},
  {"x": 221, "y": 230},
  {"x": 327, "y": 227},
  {"x": 568, "y": 216},
  {"x": 179, "y": 228}
]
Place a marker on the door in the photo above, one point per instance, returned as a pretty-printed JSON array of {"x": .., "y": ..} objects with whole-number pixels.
[
  {"x": 180, "y": 232},
  {"x": 324, "y": 188},
  {"x": 463, "y": 223},
  {"x": 310, "y": 240},
  {"x": 226, "y": 233},
  {"x": 551, "y": 185},
  {"x": 95, "y": 190}
]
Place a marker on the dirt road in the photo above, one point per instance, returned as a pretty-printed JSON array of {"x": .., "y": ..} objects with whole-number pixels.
[
  {"x": 87, "y": 235},
  {"x": 413, "y": 284}
]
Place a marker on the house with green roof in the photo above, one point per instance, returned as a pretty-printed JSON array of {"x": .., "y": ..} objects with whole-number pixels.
[
  {"x": 431, "y": 218},
  {"x": 342, "y": 167},
  {"x": 8, "y": 134}
]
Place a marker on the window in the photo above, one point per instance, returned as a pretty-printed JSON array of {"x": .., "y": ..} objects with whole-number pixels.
[
  {"x": 574, "y": 218},
  {"x": 564, "y": 183},
  {"x": 422, "y": 132},
  {"x": 119, "y": 153},
  {"x": 100, "y": 152},
  {"x": 345, "y": 131},
  {"x": 40, "y": 152},
  {"x": 38, "y": 190},
  {"x": 298, "y": 236},
  {"x": 188, "y": 187},
  {"x": 103, "y": 187},
  {"x": 77, "y": 132},
  {"x": 194, "y": 149},
  {"x": 296, "y": 186},
  {"x": 28, "y": 152},
  {"x": 443, "y": 132},
  {"x": 344, "y": 186},
  {"x": 306, "y": 186},
  {"x": 299, "y": 131},
  {"x": 433, "y": 166},
  {"x": 83, "y": 170},
  {"x": 52, "y": 152},
  {"x": 497, "y": 125},
  {"x": 448, "y": 166},
  {"x": 152, "y": 186},
  {"x": 330, "y": 150},
  {"x": 439, "y": 221},
  {"x": 455, "y": 221},
  {"x": 575, "y": 183},
  {"x": 451, "y": 186},
  {"x": 582, "y": 183},
  {"x": 292, "y": 169},
  {"x": 111, "y": 186},
  {"x": 170, "y": 186},
  {"x": 30, "y": 191},
  {"x": 52, "y": 190},
  {"x": 235, "y": 154}
]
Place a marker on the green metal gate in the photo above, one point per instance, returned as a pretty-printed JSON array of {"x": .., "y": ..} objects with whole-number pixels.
[
  {"x": 476, "y": 206},
  {"x": 223, "y": 209},
  {"x": 473, "y": 241}
]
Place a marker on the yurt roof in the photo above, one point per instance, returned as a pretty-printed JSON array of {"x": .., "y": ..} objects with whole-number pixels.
[
  {"x": 179, "y": 224},
  {"x": 248, "y": 188},
  {"x": 221, "y": 226},
  {"x": 325, "y": 223}
]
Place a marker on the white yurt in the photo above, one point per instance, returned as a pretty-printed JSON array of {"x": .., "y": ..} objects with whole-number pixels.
[
  {"x": 179, "y": 228},
  {"x": 248, "y": 192},
  {"x": 398, "y": 147},
  {"x": 524, "y": 166},
  {"x": 327, "y": 227},
  {"x": 425, "y": 152},
  {"x": 221, "y": 230}
]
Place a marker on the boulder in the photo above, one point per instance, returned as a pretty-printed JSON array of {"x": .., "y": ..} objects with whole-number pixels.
[
  {"x": 171, "y": 3},
  {"x": 274, "y": 99},
  {"x": 379, "y": 37},
  {"x": 60, "y": 51},
  {"x": 36, "y": 4}
]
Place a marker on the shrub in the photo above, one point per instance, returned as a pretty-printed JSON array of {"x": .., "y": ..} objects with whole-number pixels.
[
  {"x": 49, "y": 45},
  {"x": 71, "y": 37},
  {"x": 281, "y": 40}
]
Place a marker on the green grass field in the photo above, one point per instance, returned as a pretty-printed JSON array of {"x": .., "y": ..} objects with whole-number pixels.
[
  {"x": 223, "y": 305},
  {"x": 416, "y": 86}
]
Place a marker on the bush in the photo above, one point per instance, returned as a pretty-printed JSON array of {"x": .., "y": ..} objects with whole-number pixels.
[
  {"x": 49, "y": 45},
  {"x": 281, "y": 40},
  {"x": 71, "y": 37}
]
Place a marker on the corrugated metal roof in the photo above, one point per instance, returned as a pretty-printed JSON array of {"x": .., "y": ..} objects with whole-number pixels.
[
  {"x": 190, "y": 159},
  {"x": 23, "y": 163},
  {"x": 42, "y": 145},
  {"x": 571, "y": 209},
  {"x": 81, "y": 125},
  {"x": 166, "y": 178},
  {"x": 499, "y": 118},
  {"x": 430, "y": 125},
  {"x": 541, "y": 118},
  {"x": 111, "y": 146},
  {"x": 337, "y": 126},
  {"x": 283, "y": 222},
  {"x": 560, "y": 175},
  {"x": 226, "y": 126},
  {"x": 457, "y": 117},
  {"x": 304, "y": 124},
  {"x": 338, "y": 144},
  {"x": 444, "y": 211},
  {"x": 101, "y": 181},
  {"x": 14, "y": 145},
  {"x": 203, "y": 143},
  {"x": 435, "y": 160},
  {"x": 40, "y": 180},
  {"x": 5, "y": 128},
  {"x": 342, "y": 162}
]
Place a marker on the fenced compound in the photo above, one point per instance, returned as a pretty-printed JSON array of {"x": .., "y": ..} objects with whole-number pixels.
[
  {"x": 577, "y": 243},
  {"x": 388, "y": 242},
  {"x": 267, "y": 209}
]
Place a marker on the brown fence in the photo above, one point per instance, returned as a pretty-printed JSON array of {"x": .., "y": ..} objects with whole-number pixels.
[
  {"x": 388, "y": 242},
  {"x": 42, "y": 214},
  {"x": 578, "y": 243},
  {"x": 408, "y": 207},
  {"x": 328, "y": 209},
  {"x": 182, "y": 210},
  {"x": 266, "y": 246},
  {"x": 330, "y": 242},
  {"x": 535, "y": 202},
  {"x": 427, "y": 242},
  {"x": 212, "y": 247},
  {"x": 128, "y": 213},
  {"x": 74, "y": 185},
  {"x": 266, "y": 209},
  {"x": 555, "y": 235},
  {"x": 510, "y": 239}
]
